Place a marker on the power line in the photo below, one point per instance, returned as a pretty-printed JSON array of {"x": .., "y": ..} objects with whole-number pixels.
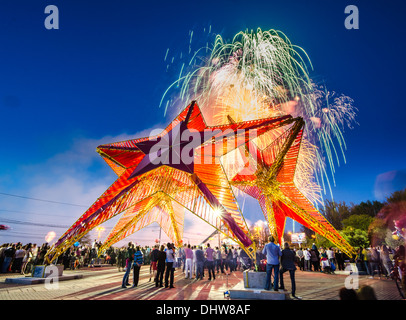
[
  {"x": 32, "y": 223},
  {"x": 36, "y": 214},
  {"x": 43, "y": 200}
]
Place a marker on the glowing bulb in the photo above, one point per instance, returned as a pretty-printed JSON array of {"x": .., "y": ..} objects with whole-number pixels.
[{"x": 217, "y": 212}]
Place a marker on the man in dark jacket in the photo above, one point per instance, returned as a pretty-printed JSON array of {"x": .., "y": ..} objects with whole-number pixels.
[
  {"x": 199, "y": 263},
  {"x": 130, "y": 258},
  {"x": 161, "y": 257},
  {"x": 153, "y": 265},
  {"x": 288, "y": 264}
]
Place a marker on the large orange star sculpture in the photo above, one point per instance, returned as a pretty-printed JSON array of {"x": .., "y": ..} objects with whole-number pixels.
[
  {"x": 158, "y": 175},
  {"x": 270, "y": 180}
]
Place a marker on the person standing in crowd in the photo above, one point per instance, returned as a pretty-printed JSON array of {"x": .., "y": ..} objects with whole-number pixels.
[
  {"x": 18, "y": 259},
  {"x": 184, "y": 257},
  {"x": 194, "y": 264},
  {"x": 315, "y": 260},
  {"x": 179, "y": 254},
  {"x": 399, "y": 259},
  {"x": 147, "y": 255},
  {"x": 199, "y": 263},
  {"x": 154, "y": 261},
  {"x": 175, "y": 261},
  {"x": 3, "y": 248},
  {"x": 34, "y": 254},
  {"x": 160, "y": 267},
  {"x": 307, "y": 261},
  {"x": 235, "y": 258},
  {"x": 83, "y": 254},
  {"x": 324, "y": 262},
  {"x": 218, "y": 260},
  {"x": 300, "y": 258},
  {"x": 27, "y": 258},
  {"x": 339, "y": 256},
  {"x": 230, "y": 260},
  {"x": 138, "y": 261},
  {"x": 386, "y": 260},
  {"x": 210, "y": 261},
  {"x": 8, "y": 257},
  {"x": 273, "y": 252},
  {"x": 288, "y": 264},
  {"x": 359, "y": 257},
  {"x": 93, "y": 256},
  {"x": 260, "y": 260},
  {"x": 42, "y": 252},
  {"x": 189, "y": 262},
  {"x": 129, "y": 256},
  {"x": 365, "y": 254},
  {"x": 169, "y": 273},
  {"x": 224, "y": 263},
  {"x": 374, "y": 262},
  {"x": 121, "y": 259},
  {"x": 330, "y": 256}
]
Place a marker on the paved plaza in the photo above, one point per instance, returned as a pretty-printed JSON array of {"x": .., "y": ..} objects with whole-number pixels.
[{"x": 104, "y": 283}]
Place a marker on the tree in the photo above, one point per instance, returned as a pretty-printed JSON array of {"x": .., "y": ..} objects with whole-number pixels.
[
  {"x": 394, "y": 209},
  {"x": 366, "y": 208},
  {"x": 260, "y": 232},
  {"x": 393, "y": 241},
  {"x": 85, "y": 240},
  {"x": 397, "y": 196},
  {"x": 335, "y": 212},
  {"x": 323, "y": 242},
  {"x": 377, "y": 231},
  {"x": 356, "y": 237},
  {"x": 356, "y": 221}
]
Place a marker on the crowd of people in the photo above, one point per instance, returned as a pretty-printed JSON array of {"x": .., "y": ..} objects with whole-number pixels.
[
  {"x": 195, "y": 260},
  {"x": 16, "y": 257},
  {"x": 381, "y": 260},
  {"x": 192, "y": 260},
  {"x": 373, "y": 260}
]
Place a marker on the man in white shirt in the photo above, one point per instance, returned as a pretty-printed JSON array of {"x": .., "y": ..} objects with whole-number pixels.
[
  {"x": 330, "y": 256},
  {"x": 307, "y": 256}
]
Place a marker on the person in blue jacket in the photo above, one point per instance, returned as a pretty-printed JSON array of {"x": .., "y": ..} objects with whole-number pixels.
[
  {"x": 272, "y": 252},
  {"x": 138, "y": 261}
]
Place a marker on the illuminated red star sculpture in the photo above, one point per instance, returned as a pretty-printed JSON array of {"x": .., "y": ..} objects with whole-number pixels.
[
  {"x": 159, "y": 175},
  {"x": 269, "y": 178}
]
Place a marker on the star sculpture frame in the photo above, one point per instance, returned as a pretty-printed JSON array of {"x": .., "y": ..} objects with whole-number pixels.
[
  {"x": 269, "y": 178},
  {"x": 158, "y": 175}
]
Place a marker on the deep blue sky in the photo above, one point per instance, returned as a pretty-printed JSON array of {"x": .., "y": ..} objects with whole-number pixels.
[{"x": 102, "y": 74}]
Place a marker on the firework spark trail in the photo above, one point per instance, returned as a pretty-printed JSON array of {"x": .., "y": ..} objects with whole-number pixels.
[{"x": 261, "y": 74}]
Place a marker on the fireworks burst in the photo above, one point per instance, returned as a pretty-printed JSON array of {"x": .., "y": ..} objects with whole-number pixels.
[{"x": 261, "y": 74}]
